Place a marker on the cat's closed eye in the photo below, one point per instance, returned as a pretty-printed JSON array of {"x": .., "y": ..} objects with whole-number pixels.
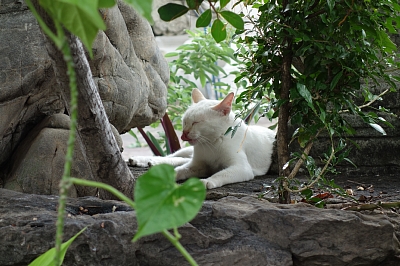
[{"x": 194, "y": 123}]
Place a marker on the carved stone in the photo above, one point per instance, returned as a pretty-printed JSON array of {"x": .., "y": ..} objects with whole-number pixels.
[{"x": 128, "y": 69}]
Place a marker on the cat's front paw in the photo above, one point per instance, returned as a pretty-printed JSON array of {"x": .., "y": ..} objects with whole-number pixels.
[
  {"x": 183, "y": 173},
  {"x": 208, "y": 184},
  {"x": 140, "y": 161}
]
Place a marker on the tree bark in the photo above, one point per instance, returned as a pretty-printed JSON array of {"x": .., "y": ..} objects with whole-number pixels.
[
  {"x": 93, "y": 129},
  {"x": 282, "y": 134},
  {"x": 283, "y": 118}
]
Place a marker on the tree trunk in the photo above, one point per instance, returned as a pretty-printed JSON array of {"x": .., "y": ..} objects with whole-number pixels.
[
  {"x": 283, "y": 118},
  {"x": 93, "y": 129},
  {"x": 282, "y": 134}
]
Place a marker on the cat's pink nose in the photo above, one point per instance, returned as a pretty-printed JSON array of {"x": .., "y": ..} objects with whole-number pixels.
[{"x": 185, "y": 136}]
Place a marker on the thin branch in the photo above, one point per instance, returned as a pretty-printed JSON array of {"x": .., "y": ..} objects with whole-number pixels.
[
  {"x": 285, "y": 183},
  {"x": 369, "y": 103},
  {"x": 316, "y": 14}
]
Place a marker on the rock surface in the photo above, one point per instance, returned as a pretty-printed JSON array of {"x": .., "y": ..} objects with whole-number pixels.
[{"x": 241, "y": 230}]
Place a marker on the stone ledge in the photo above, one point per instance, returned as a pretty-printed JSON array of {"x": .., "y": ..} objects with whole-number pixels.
[{"x": 227, "y": 231}]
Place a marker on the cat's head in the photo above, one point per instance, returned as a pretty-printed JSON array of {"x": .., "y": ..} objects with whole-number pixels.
[{"x": 207, "y": 120}]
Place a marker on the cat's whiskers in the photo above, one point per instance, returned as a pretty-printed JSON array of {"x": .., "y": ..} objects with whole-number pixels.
[{"x": 206, "y": 142}]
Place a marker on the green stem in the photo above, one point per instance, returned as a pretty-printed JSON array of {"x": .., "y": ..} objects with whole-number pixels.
[
  {"x": 106, "y": 187},
  {"x": 66, "y": 183},
  {"x": 55, "y": 38},
  {"x": 61, "y": 43},
  {"x": 178, "y": 245}
]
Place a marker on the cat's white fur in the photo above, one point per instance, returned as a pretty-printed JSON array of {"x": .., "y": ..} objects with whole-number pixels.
[{"x": 220, "y": 158}]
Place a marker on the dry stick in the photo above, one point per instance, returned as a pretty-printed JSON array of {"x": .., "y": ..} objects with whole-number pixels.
[
  {"x": 301, "y": 161},
  {"x": 372, "y": 206},
  {"x": 369, "y": 103}
]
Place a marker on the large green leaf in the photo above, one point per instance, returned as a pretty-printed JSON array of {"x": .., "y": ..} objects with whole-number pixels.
[
  {"x": 218, "y": 30},
  {"x": 80, "y": 17},
  {"x": 47, "y": 258},
  {"x": 162, "y": 204},
  {"x": 172, "y": 11},
  {"x": 301, "y": 88},
  {"x": 143, "y": 7},
  {"x": 234, "y": 19},
  {"x": 204, "y": 19},
  {"x": 386, "y": 42}
]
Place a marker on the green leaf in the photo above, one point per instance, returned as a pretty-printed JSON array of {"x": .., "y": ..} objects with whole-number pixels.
[
  {"x": 171, "y": 54},
  {"x": 172, "y": 11},
  {"x": 105, "y": 3},
  {"x": 388, "y": 45},
  {"x": 331, "y": 4},
  {"x": 234, "y": 19},
  {"x": 389, "y": 25},
  {"x": 143, "y": 7},
  {"x": 155, "y": 143},
  {"x": 304, "y": 138},
  {"x": 223, "y": 3},
  {"x": 161, "y": 204},
  {"x": 336, "y": 79},
  {"x": 203, "y": 78},
  {"x": 218, "y": 30},
  {"x": 81, "y": 18},
  {"x": 307, "y": 193},
  {"x": 47, "y": 258},
  {"x": 205, "y": 19},
  {"x": 301, "y": 88},
  {"x": 194, "y": 4}
]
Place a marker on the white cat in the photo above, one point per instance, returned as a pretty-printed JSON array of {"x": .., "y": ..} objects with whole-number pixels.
[{"x": 221, "y": 158}]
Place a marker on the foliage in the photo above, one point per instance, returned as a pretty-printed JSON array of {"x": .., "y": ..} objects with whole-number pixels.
[
  {"x": 334, "y": 47},
  {"x": 196, "y": 61},
  {"x": 47, "y": 259},
  {"x": 334, "y": 50},
  {"x": 172, "y": 11},
  {"x": 183, "y": 202},
  {"x": 73, "y": 14}
]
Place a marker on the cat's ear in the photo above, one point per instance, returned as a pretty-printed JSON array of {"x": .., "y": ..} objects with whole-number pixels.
[
  {"x": 225, "y": 106},
  {"x": 197, "y": 96}
]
